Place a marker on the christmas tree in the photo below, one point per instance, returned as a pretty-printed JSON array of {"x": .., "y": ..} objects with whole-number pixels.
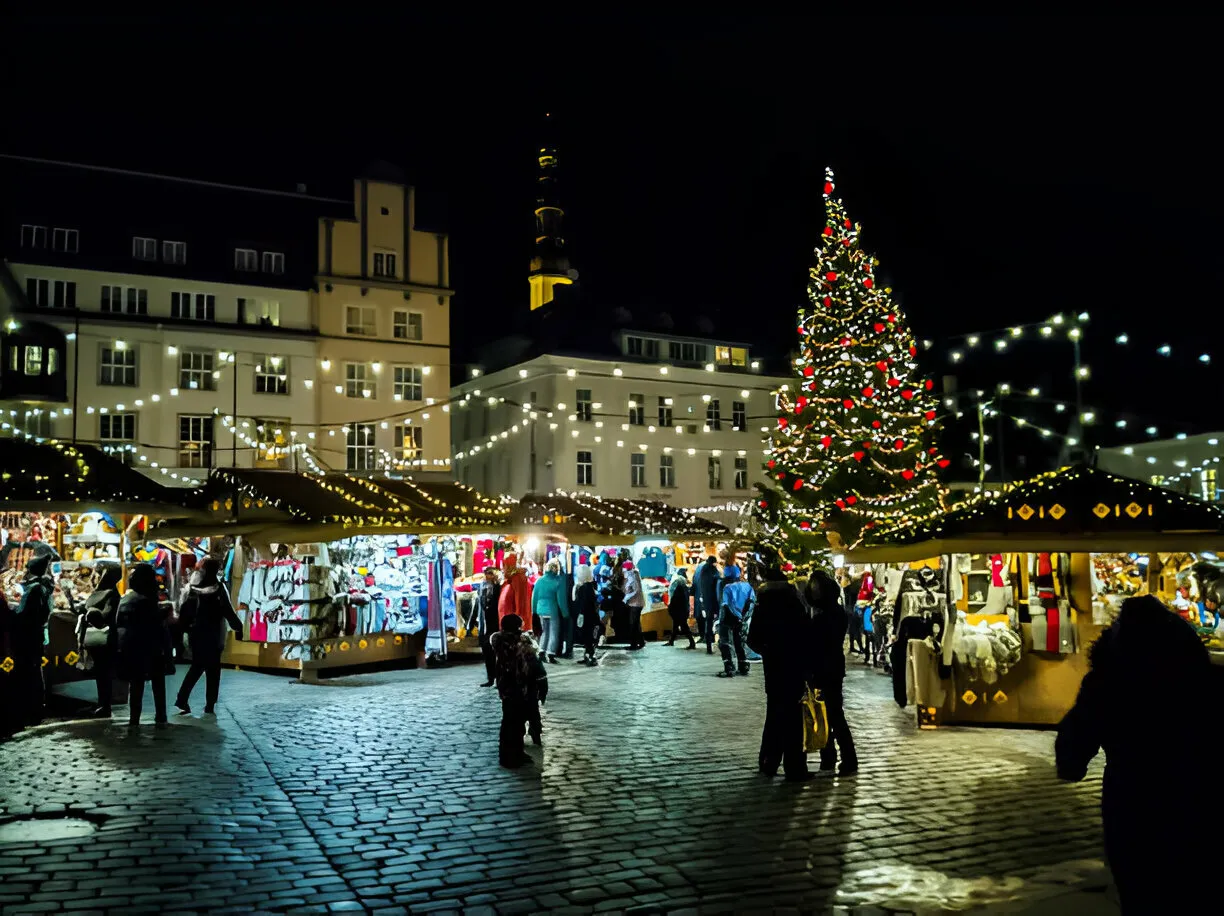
[{"x": 854, "y": 451}]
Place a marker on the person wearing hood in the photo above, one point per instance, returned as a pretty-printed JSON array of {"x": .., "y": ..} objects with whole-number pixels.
[
  {"x": 635, "y": 601},
  {"x": 28, "y": 639},
  {"x": 100, "y": 635},
  {"x": 781, "y": 633},
  {"x": 490, "y": 590},
  {"x": 550, "y": 602},
  {"x": 829, "y": 622},
  {"x": 1141, "y": 702},
  {"x": 678, "y": 607},
  {"x": 735, "y": 604},
  {"x": 144, "y": 653},
  {"x": 515, "y": 597},
  {"x": 586, "y": 613},
  {"x": 705, "y": 594},
  {"x": 522, "y": 683},
  {"x": 204, "y": 611}
]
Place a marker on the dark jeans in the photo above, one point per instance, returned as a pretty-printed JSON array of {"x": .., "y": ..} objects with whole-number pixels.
[
  {"x": 104, "y": 676},
  {"x": 840, "y": 738},
  {"x": 28, "y": 687},
  {"x": 211, "y": 669},
  {"x": 731, "y": 628},
  {"x": 591, "y": 635},
  {"x": 490, "y": 658},
  {"x": 136, "y": 698},
  {"x": 782, "y": 736},
  {"x": 635, "y": 627},
  {"x": 681, "y": 628},
  {"x": 510, "y": 738}
]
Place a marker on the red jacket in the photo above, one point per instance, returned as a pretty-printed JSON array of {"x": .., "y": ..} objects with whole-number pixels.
[{"x": 515, "y": 597}]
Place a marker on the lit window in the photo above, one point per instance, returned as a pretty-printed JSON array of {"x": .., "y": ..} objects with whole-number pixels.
[
  {"x": 117, "y": 435},
  {"x": 408, "y": 447},
  {"x": 359, "y": 381},
  {"x": 196, "y": 370},
  {"x": 259, "y": 311},
  {"x": 359, "y": 447},
  {"x": 637, "y": 410},
  {"x": 195, "y": 441},
  {"x": 33, "y": 360},
  {"x": 272, "y": 375},
  {"x": 271, "y": 442}
]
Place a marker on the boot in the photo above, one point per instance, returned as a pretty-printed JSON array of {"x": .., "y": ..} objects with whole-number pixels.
[
  {"x": 671, "y": 642},
  {"x": 692, "y": 643}
]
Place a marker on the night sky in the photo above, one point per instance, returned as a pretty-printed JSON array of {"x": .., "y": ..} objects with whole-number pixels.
[{"x": 1003, "y": 169}]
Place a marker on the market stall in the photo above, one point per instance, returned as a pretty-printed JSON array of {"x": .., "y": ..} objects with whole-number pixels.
[{"x": 994, "y": 604}]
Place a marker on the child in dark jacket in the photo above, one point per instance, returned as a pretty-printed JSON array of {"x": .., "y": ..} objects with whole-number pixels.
[{"x": 522, "y": 683}]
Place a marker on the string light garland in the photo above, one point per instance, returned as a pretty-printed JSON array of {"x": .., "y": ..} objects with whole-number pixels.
[
  {"x": 616, "y": 517},
  {"x": 854, "y": 443}
]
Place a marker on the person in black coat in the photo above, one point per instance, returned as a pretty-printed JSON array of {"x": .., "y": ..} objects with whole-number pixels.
[
  {"x": 101, "y": 636},
  {"x": 486, "y": 603},
  {"x": 1142, "y": 701},
  {"x": 585, "y": 612},
  {"x": 28, "y": 639},
  {"x": 781, "y": 634},
  {"x": 144, "y": 653},
  {"x": 705, "y": 587},
  {"x": 829, "y": 622},
  {"x": 678, "y": 608},
  {"x": 204, "y": 611}
]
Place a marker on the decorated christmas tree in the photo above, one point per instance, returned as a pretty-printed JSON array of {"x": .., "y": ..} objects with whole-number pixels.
[{"x": 854, "y": 451}]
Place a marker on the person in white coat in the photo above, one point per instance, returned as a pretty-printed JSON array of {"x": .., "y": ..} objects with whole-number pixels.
[{"x": 635, "y": 601}]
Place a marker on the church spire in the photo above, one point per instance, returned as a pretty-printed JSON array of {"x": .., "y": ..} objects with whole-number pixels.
[{"x": 549, "y": 266}]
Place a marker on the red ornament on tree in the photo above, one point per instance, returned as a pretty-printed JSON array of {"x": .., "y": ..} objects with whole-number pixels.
[
  {"x": 899, "y": 444},
  {"x": 808, "y": 371},
  {"x": 882, "y": 366},
  {"x": 845, "y": 341},
  {"x": 868, "y": 283},
  {"x": 828, "y": 230},
  {"x": 929, "y": 415},
  {"x": 828, "y": 300},
  {"x": 828, "y": 187},
  {"x": 943, "y": 462},
  {"x": 763, "y": 504},
  {"x": 826, "y": 441},
  {"x": 907, "y": 394},
  {"x": 858, "y": 456},
  {"x": 892, "y": 319},
  {"x": 894, "y": 382},
  {"x": 867, "y": 445},
  {"x": 851, "y": 500},
  {"x": 782, "y": 423},
  {"x": 878, "y": 327},
  {"x": 770, "y": 464},
  {"x": 907, "y": 474},
  {"x": 868, "y": 392},
  {"x": 875, "y": 424},
  {"x": 841, "y": 504},
  {"x": 805, "y": 525},
  {"x": 848, "y": 404},
  {"x": 846, "y": 223},
  {"x": 913, "y": 350},
  {"x": 798, "y": 484},
  {"x": 928, "y": 384},
  {"x": 831, "y": 276}
]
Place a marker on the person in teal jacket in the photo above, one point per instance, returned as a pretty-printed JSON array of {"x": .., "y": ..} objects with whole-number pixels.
[{"x": 550, "y": 602}]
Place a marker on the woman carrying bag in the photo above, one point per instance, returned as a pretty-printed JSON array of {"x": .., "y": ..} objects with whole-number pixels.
[{"x": 203, "y": 613}]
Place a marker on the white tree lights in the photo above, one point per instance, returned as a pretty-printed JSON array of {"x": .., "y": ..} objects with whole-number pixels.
[{"x": 854, "y": 446}]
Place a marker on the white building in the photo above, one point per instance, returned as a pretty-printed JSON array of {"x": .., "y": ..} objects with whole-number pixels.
[
  {"x": 676, "y": 419},
  {"x": 1187, "y": 464}
]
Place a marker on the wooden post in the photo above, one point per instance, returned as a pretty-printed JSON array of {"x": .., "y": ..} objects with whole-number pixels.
[{"x": 123, "y": 544}]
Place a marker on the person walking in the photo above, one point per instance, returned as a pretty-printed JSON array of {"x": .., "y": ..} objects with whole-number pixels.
[
  {"x": 486, "y": 603},
  {"x": 678, "y": 608},
  {"x": 635, "y": 601},
  {"x": 144, "y": 653},
  {"x": 550, "y": 602},
  {"x": 586, "y": 613},
  {"x": 781, "y": 633},
  {"x": 204, "y": 611},
  {"x": 515, "y": 596},
  {"x": 1133, "y": 704},
  {"x": 705, "y": 588},
  {"x": 28, "y": 639},
  {"x": 824, "y": 597},
  {"x": 735, "y": 603},
  {"x": 101, "y": 636},
  {"x": 849, "y": 592},
  {"x": 522, "y": 683}
]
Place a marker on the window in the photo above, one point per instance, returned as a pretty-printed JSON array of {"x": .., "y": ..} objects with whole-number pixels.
[
  {"x": 384, "y": 264},
  {"x": 272, "y": 375},
  {"x": 245, "y": 259},
  {"x": 117, "y": 367},
  {"x": 408, "y": 448},
  {"x": 361, "y": 320},
  {"x": 665, "y": 411},
  {"x": 195, "y": 441},
  {"x": 731, "y": 356},
  {"x": 739, "y": 415},
  {"x": 586, "y": 469},
  {"x": 408, "y": 383},
  {"x": 196, "y": 306},
  {"x": 144, "y": 249},
  {"x": 117, "y": 435},
  {"x": 633, "y": 346},
  {"x": 637, "y": 470},
  {"x": 359, "y": 451},
  {"x": 33, "y": 360},
  {"x": 686, "y": 352},
  {"x": 358, "y": 381},
  {"x": 125, "y": 298},
  {"x": 741, "y": 473},
  {"x": 652, "y": 349},
  {"x": 33, "y": 236},
  {"x": 196, "y": 371},
  {"x": 259, "y": 311},
  {"x": 65, "y": 240},
  {"x": 56, "y": 294},
  {"x": 667, "y": 471},
  {"x": 271, "y": 442},
  {"x": 714, "y": 469},
  {"x": 637, "y": 410},
  {"x": 274, "y": 262},
  {"x": 713, "y": 416},
  {"x": 582, "y": 405},
  {"x": 408, "y": 326},
  {"x": 36, "y": 423},
  {"x": 174, "y": 252}
]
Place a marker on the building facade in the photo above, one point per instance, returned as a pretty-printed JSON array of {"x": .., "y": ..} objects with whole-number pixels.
[
  {"x": 185, "y": 325},
  {"x": 675, "y": 419},
  {"x": 1186, "y": 464}
]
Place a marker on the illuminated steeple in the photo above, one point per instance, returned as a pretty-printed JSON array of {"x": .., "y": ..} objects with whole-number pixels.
[{"x": 549, "y": 267}]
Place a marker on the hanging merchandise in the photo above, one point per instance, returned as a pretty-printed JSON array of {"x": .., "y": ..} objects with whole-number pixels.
[{"x": 653, "y": 563}]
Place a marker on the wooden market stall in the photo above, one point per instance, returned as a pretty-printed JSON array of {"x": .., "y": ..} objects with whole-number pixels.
[{"x": 1050, "y": 558}]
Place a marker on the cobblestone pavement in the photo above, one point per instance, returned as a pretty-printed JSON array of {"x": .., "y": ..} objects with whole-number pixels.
[{"x": 381, "y": 793}]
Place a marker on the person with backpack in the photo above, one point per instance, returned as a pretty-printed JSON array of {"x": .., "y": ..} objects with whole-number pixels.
[
  {"x": 101, "y": 636},
  {"x": 734, "y": 605},
  {"x": 204, "y": 611},
  {"x": 522, "y": 683}
]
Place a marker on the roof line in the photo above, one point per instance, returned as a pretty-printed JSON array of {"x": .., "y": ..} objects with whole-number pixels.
[{"x": 194, "y": 181}]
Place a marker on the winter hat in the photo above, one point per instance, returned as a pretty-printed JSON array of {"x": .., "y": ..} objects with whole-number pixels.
[
  {"x": 37, "y": 567},
  {"x": 628, "y": 564},
  {"x": 711, "y": 560},
  {"x": 511, "y": 623}
]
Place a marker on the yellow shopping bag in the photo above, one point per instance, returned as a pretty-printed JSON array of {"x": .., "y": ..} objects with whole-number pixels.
[{"x": 815, "y": 722}]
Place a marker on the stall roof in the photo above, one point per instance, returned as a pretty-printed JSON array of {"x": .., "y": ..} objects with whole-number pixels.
[
  {"x": 578, "y": 515},
  {"x": 61, "y": 477},
  {"x": 1076, "y": 508}
]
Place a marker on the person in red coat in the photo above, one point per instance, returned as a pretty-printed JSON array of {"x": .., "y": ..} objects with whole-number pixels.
[{"x": 515, "y": 597}]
